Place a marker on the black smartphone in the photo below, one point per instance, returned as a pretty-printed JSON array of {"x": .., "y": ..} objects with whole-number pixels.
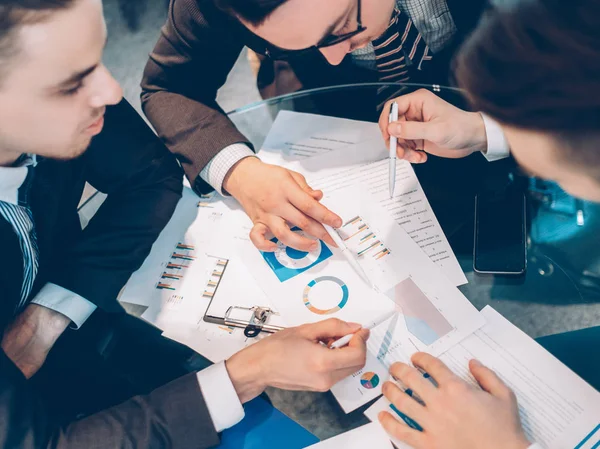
[{"x": 500, "y": 233}]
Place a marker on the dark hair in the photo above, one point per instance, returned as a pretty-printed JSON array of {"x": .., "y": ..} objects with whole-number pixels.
[
  {"x": 16, "y": 13},
  {"x": 253, "y": 11},
  {"x": 536, "y": 65}
]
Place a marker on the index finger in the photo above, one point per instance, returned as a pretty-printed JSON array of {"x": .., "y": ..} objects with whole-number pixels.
[
  {"x": 311, "y": 207},
  {"x": 434, "y": 367}
]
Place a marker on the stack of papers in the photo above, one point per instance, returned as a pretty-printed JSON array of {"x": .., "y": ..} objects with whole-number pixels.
[{"x": 203, "y": 263}]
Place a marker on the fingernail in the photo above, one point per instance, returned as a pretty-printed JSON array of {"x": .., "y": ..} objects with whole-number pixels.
[
  {"x": 355, "y": 326},
  {"x": 314, "y": 246},
  {"x": 394, "y": 128},
  {"x": 476, "y": 362}
]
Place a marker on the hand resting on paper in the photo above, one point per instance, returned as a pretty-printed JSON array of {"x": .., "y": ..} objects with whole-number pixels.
[
  {"x": 456, "y": 415},
  {"x": 275, "y": 198},
  {"x": 429, "y": 125},
  {"x": 295, "y": 359}
]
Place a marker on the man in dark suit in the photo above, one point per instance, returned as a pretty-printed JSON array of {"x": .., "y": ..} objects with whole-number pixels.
[
  {"x": 325, "y": 43},
  {"x": 55, "y": 385}
]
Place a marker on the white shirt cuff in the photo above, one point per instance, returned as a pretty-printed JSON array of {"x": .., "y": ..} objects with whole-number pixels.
[
  {"x": 497, "y": 146},
  {"x": 216, "y": 170},
  {"x": 75, "y": 307},
  {"x": 221, "y": 399}
]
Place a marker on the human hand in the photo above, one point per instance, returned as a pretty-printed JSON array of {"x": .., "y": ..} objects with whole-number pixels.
[
  {"x": 456, "y": 415},
  {"x": 274, "y": 198},
  {"x": 428, "y": 124},
  {"x": 29, "y": 338},
  {"x": 295, "y": 359}
]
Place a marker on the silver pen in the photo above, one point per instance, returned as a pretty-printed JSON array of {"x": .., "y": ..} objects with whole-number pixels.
[
  {"x": 348, "y": 254},
  {"x": 393, "y": 117}
]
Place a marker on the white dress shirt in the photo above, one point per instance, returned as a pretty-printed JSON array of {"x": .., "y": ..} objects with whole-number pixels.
[
  {"x": 221, "y": 399},
  {"x": 497, "y": 145}
]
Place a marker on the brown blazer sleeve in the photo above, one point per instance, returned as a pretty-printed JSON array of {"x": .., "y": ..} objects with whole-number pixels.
[
  {"x": 195, "y": 52},
  {"x": 173, "y": 416}
]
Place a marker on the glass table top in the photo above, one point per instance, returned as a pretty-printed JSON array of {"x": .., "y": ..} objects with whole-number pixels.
[{"x": 560, "y": 290}]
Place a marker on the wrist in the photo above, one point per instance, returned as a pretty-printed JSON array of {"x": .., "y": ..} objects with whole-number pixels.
[
  {"x": 478, "y": 132},
  {"x": 246, "y": 374},
  {"x": 233, "y": 182},
  {"x": 48, "y": 324}
]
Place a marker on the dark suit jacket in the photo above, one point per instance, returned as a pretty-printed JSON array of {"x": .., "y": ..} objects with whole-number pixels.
[
  {"x": 199, "y": 45},
  {"x": 143, "y": 183}
]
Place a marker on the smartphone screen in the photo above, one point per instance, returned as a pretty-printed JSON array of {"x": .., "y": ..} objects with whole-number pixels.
[{"x": 500, "y": 233}]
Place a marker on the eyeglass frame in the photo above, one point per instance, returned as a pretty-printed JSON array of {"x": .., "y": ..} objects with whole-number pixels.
[{"x": 274, "y": 52}]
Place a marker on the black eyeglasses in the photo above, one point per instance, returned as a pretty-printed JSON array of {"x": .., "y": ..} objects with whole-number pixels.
[{"x": 274, "y": 52}]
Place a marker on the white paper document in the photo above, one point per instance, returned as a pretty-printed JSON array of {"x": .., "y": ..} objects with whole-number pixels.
[
  {"x": 361, "y": 387},
  {"x": 434, "y": 314},
  {"x": 297, "y": 135},
  {"x": 307, "y": 287},
  {"x": 366, "y": 166},
  {"x": 191, "y": 264},
  {"x": 558, "y": 409},
  {"x": 369, "y": 436}
]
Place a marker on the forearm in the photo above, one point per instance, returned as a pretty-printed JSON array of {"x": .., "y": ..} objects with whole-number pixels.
[
  {"x": 29, "y": 339},
  {"x": 171, "y": 416},
  {"x": 190, "y": 62}
]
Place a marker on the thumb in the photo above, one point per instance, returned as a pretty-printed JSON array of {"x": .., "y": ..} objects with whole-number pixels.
[
  {"x": 416, "y": 130},
  {"x": 488, "y": 380},
  {"x": 331, "y": 328}
]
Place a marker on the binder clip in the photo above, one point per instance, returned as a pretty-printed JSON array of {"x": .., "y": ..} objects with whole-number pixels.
[{"x": 257, "y": 322}]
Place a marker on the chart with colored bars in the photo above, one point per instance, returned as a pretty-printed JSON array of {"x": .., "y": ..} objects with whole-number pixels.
[
  {"x": 361, "y": 239},
  {"x": 180, "y": 260},
  {"x": 215, "y": 276},
  {"x": 207, "y": 200}
]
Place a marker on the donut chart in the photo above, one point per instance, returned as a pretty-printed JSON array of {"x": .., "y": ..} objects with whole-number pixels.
[
  {"x": 311, "y": 284},
  {"x": 287, "y": 263},
  {"x": 369, "y": 380},
  {"x": 296, "y": 260}
]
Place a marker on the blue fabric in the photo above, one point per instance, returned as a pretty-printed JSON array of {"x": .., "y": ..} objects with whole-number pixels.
[
  {"x": 579, "y": 351},
  {"x": 265, "y": 427}
]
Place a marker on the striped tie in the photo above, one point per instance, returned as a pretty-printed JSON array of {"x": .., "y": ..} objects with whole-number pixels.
[
  {"x": 398, "y": 52},
  {"x": 21, "y": 219}
]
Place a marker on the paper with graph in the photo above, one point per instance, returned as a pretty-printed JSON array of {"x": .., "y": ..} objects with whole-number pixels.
[
  {"x": 335, "y": 153},
  {"x": 435, "y": 315},
  {"x": 558, "y": 409},
  {"x": 193, "y": 264},
  {"x": 306, "y": 287}
]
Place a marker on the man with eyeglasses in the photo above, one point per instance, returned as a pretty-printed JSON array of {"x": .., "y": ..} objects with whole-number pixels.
[{"x": 325, "y": 43}]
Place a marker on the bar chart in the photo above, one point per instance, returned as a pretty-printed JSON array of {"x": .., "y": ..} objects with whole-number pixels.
[
  {"x": 217, "y": 266},
  {"x": 362, "y": 240},
  {"x": 181, "y": 258}
]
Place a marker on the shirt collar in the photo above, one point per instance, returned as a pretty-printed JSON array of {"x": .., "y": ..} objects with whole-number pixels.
[{"x": 12, "y": 178}]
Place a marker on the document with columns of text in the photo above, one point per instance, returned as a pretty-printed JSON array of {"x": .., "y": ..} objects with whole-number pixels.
[
  {"x": 365, "y": 164},
  {"x": 558, "y": 409}
]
